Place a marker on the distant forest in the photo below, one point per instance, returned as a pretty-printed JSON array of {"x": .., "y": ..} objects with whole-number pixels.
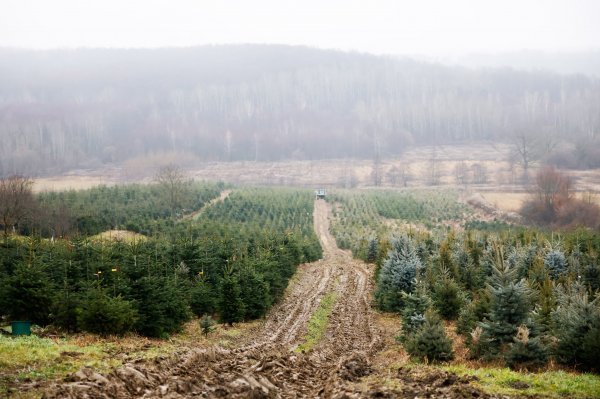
[{"x": 65, "y": 109}]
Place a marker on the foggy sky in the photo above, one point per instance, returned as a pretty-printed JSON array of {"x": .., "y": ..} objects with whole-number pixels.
[{"x": 375, "y": 26}]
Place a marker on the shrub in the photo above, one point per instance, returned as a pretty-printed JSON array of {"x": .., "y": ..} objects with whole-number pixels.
[
  {"x": 430, "y": 340},
  {"x": 105, "y": 315}
]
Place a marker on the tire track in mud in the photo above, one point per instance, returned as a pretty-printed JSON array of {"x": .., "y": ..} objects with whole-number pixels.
[{"x": 267, "y": 366}]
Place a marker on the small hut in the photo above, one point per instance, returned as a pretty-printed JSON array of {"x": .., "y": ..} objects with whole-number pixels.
[{"x": 320, "y": 193}]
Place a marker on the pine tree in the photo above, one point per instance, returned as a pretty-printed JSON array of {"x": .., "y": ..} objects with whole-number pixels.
[
  {"x": 576, "y": 324},
  {"x": 447, "y": 296},
  {"x": 474, "y": 312},
  {"x": 29, "y": 294},
  {"x": 254, "y": 294},
  {"x": 525, "y": 352},
  {"x": 372, "y": 249},
  {"x": 207, "y": 325},
  {"x": 397, "y": 274},
  {"x": 555, "y": 263},
  {"x": 161, "y": 306},
  {"x": 413, "y": 313},
  {"x": 509, "y": 305},
  {"x": 430, "y": 340},
  {"x": 203, "y": 298},
  {"x": 231, "y": 306},
  {"x": 105, "y": 315}
]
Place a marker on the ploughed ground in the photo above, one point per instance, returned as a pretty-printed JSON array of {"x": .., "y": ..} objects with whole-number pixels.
[{"x": 269, "y": 364}]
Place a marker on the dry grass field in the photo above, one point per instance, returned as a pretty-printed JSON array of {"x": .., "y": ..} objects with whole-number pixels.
[{"x": 486, "y": 169}]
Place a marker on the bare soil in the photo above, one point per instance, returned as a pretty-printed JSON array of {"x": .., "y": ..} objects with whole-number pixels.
[{"x": 266, "y": 366}]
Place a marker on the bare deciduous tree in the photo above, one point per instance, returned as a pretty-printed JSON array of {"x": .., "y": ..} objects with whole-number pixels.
[
  {"x": 172, "y": 180},
  {"x": 525, "y": 149},
  {"x": 479, "y": 173},
  {"x": 16, "y": 201},
  {"x": 461, "y": 173}
]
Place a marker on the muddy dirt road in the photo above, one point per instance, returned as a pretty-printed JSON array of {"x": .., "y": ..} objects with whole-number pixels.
[{"x": 267, "y": 366}]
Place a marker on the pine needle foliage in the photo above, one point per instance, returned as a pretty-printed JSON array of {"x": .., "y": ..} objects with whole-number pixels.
[{"x": 397, "y": 274}]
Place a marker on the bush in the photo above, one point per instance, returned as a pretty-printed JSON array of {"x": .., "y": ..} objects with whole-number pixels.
[
  {"x": 430, "y": 340},
  {"x": 105, "y": 315}
]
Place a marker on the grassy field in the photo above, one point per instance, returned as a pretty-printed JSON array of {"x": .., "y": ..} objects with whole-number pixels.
[{"x": 317, "y": 325}]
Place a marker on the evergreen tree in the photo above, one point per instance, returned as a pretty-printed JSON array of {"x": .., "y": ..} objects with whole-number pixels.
[
  {"x": 66, "y": 310},
  {"x": 413, "y": 313},
  {"x": 447, "y": 296},
  {"x": 203, "y": 298},
  {"x": 509, "y": 305},
  {"x": 254, "y": 294},
  {"x": 576, "y": 324},
  {"x": 28, "y": 294},
  {"x": 430, "y": 340},
  {"x": 525, "y": 352},
  {"x": 231, "y": 306},
  {"x": 161, "y": 306},
  {"x": 397, "y": 274},
  {"x": 555, "y": 263},
  {"x": 591, "y": 276},
  {"x": 372, "y": 249},
  {"x": 105, "y": 315},
  {"x": 474, "y": 312},
  {"x": 207, "y": 325}
]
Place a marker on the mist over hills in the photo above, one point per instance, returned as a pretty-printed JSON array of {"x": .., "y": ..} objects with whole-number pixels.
[{"x": 64, "y": 109}]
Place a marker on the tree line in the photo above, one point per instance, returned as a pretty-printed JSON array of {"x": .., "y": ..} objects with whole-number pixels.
[{"x": 66, "y": 109}]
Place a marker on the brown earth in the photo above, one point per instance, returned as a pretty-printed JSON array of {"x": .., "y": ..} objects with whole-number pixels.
[{"x": 267, "y": 366}]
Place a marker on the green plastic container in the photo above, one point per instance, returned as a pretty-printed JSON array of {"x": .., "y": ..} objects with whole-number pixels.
[{"x": 21, "y": 328}]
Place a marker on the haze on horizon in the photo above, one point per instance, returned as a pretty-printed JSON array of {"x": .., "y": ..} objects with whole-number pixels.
[{"x": 430, "y": 28}]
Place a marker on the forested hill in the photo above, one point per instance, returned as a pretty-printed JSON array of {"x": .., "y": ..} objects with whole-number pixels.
[{"x": 65, "y": 109}]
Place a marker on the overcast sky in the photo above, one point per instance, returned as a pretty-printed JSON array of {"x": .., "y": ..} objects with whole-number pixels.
[{"x": 375, "y": 26}]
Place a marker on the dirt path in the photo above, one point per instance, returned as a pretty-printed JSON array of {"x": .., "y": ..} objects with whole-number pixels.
[
  {"x": 267, "y": 366},
  {"x": 194, "y": 215}
]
